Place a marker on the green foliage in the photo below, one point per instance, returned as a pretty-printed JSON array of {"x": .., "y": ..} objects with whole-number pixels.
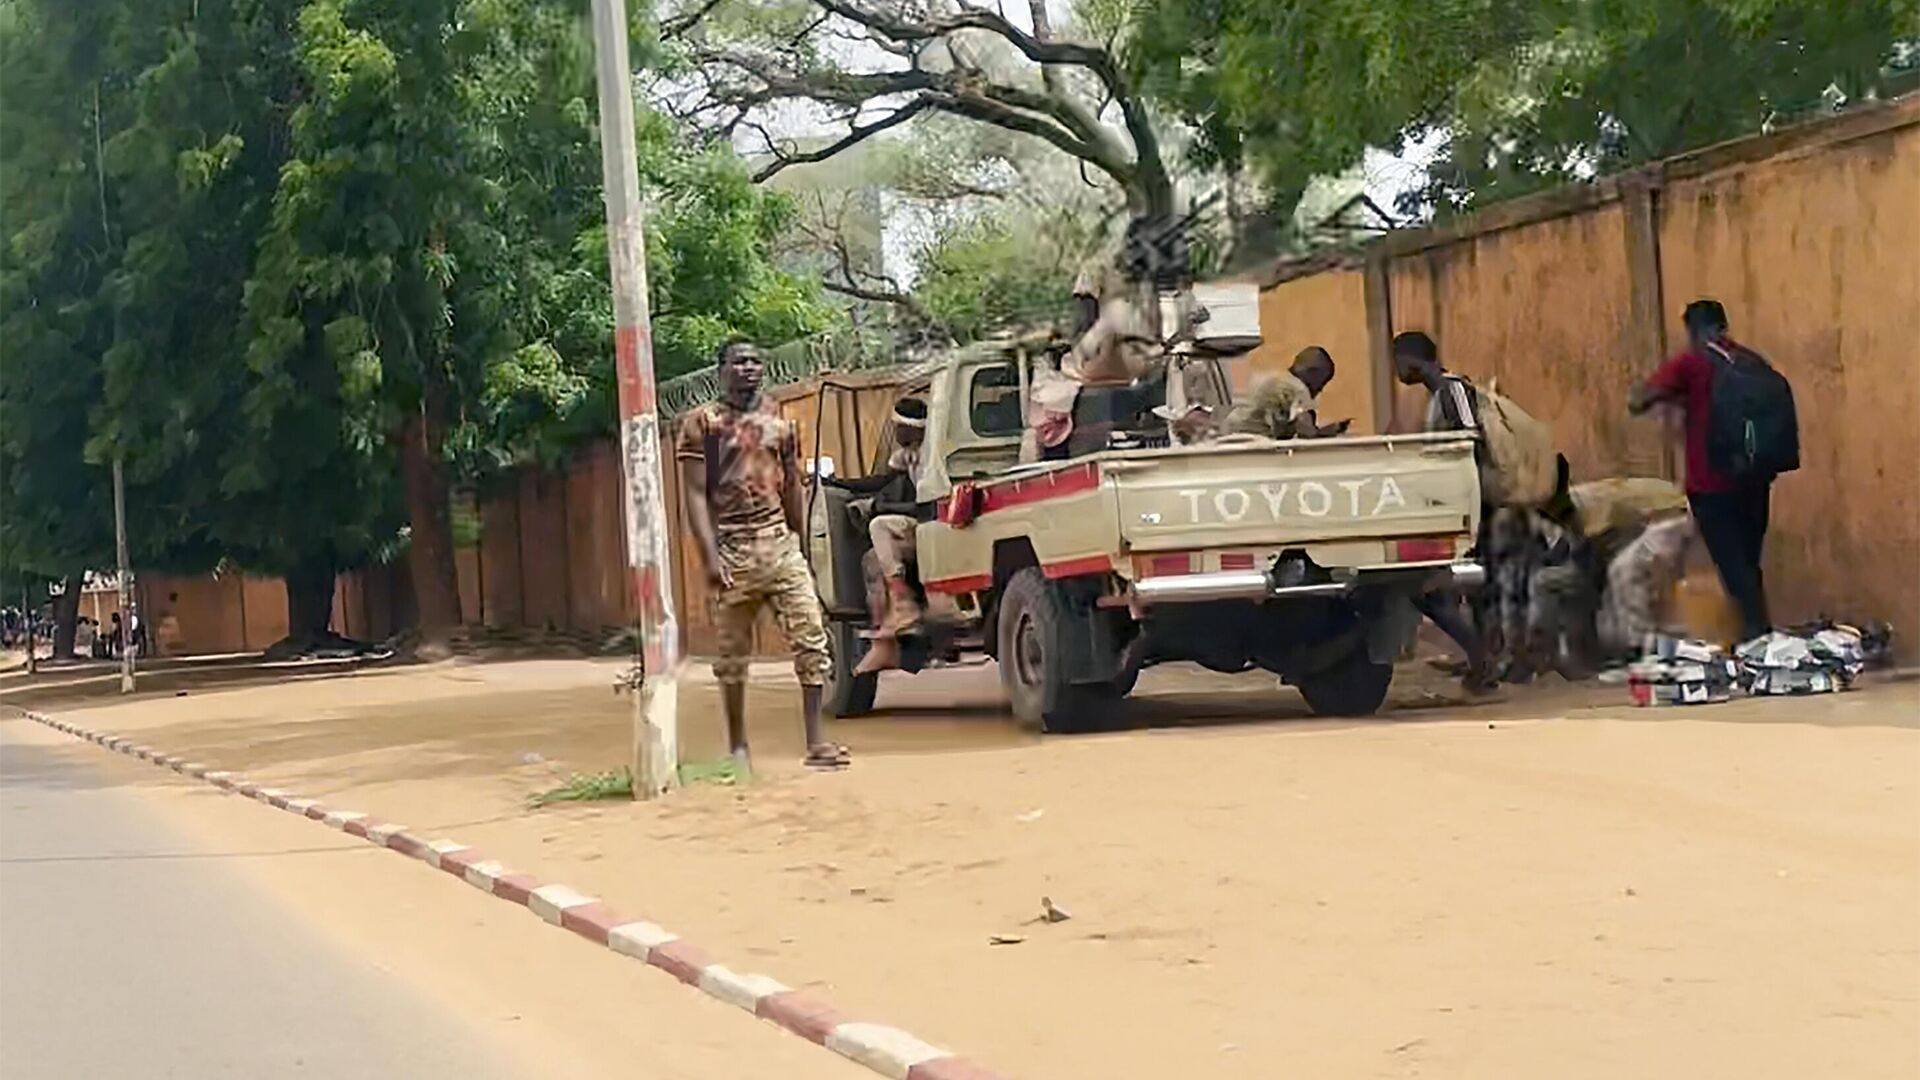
[
  {"x": 133, "y": 170},
  {"x": 1300, "y": 88},
  {"x": 710, "y": 240},
  {"x": 1527, "y": 94},
  {"x": 983, "y": 275},
  {"x": 245, "y": 240},
  {"x": 587, "y": 787},
  {"x": 725, "y": 772},
  {"x": 1605, "y": 86}
]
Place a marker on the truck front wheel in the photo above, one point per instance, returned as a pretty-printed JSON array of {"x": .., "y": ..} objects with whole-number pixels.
[
  {"x": 1355, "y": 686},
  {"x": 1038, "y": 636}
]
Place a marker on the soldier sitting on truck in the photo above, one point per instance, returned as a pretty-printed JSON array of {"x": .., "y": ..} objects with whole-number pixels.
[
  {"x": 896, "y": 512},
  {"x": 1285, "y": 406},
  {"x": 1113, "y": 354}
]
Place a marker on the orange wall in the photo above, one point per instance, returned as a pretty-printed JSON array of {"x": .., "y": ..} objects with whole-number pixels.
[
  {"x": 543, "y": 548},
  {"x": 1544, "y": 308},
  {"x": 1817, "y": 259},
  {"x": 1329, "y": 310},
  {"x": 596, "y": 540},
  {"x": 501, "y": 603}
]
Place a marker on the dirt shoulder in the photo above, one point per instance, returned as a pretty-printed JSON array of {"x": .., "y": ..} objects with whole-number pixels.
[{"x": 1555, "y": 883}]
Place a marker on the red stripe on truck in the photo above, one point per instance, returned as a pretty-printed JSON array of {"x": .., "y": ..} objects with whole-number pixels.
[
  {"x": 1058, "y": 484},
  {"x": 970, "y": 583},
  {"x": 1092, "y": 564}
]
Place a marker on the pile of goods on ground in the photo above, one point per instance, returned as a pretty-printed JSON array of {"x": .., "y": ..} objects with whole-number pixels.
[
  {"x": 1682, "y": 671},
  {"x": 1816, "y": 658},
  {"x": 1808, "y": 660}
]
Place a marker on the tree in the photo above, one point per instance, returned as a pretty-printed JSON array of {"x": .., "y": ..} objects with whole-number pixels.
[
  {"x": 1524, "y": 94},
  {"x": 437, "y": 234},
  {"x": 548, "y": 381},
  {"x": 871, "y": 67},
  {"x": 271, "y": 253},
  {"x": 992, "y": 228},
  {"x": 1603, "y": 87},
  {"x": 1294, "y": 89},
  {"x": 123, "y": 182}
]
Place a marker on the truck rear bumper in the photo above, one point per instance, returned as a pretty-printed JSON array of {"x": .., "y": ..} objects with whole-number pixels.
[{"x": 1257, "y": 586}]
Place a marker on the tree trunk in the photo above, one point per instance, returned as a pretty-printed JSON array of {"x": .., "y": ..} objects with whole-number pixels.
[
  {"x": 436, "y": 583},
  {"x": 66, "y": 616},
  {"x": 310, "y": 601}
]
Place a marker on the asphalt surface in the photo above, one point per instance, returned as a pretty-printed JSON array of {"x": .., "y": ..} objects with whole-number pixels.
[{"x": 130, "y": 950}]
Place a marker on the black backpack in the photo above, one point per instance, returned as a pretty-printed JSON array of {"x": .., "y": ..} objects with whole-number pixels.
[{"x": 1752, "y": 431}]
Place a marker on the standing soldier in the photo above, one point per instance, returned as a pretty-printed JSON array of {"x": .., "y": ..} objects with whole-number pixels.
[{"x": 743, "y": 497}]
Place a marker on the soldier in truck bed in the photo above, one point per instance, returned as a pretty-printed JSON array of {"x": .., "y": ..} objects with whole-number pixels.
[{"x": 1285, "y": 406}]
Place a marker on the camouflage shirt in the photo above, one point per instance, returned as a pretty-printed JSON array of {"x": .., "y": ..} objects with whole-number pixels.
[{"x": 748, "y": 455}]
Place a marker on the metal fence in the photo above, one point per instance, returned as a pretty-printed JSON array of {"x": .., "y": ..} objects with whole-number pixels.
[{"x": 796, "y": 361}]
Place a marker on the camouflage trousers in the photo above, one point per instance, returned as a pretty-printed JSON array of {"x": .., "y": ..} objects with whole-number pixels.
[{"x": 768, "y": 569}]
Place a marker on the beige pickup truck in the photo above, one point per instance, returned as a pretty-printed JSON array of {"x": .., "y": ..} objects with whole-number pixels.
[{"x": 1300, "y": 557}]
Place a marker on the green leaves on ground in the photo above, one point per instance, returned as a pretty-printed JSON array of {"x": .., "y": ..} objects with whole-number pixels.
[{"x": 587, "y": 787}]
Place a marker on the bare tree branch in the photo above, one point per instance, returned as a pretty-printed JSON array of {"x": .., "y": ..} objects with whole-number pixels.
[
  {"x": 688, "y": 19},
  {"x": 1094, "y": 59},
  {"x": 878, "y": 296},
  {"x": 826, "y": 232},
  {"x": 1146, "y": 174},
  {"x": 1077, "y": 82},
  {"x": 859, "y": 133}
]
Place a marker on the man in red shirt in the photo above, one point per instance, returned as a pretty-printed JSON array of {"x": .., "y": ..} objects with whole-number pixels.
[{"x": 1731, "y": 516}]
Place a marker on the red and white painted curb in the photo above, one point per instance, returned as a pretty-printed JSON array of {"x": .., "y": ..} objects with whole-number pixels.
[{"x": 888, "y": 1051}]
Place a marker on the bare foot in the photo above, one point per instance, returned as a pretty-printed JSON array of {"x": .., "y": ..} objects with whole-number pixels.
[{"x": 882, "y": 655}]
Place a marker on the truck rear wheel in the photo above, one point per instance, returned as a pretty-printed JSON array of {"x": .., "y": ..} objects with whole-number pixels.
[
  {"x": 1038, "y": 635},
  {"x": 848, "y": 694},
  {"x": 1355, "y": 686}
]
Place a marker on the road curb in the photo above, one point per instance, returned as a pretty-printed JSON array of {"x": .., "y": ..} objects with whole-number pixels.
[{"x": 886, "y": 1050}]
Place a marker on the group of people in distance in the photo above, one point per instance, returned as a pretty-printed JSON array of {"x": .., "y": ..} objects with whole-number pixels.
[{"x": 745, "y": 497}]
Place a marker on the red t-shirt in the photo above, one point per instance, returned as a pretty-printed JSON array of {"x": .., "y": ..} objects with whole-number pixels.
[{"x": 1688, "y": 377}]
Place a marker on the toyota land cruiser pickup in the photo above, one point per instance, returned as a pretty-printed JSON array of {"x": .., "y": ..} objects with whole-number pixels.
[{"x": 1301, "y": 557}]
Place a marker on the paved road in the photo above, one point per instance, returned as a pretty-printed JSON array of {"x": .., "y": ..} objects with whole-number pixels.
[{"x": 132, "y": 951}]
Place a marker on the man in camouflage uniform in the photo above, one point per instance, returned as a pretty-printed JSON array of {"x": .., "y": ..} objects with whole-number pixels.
[{"x": 743, "y": 495}]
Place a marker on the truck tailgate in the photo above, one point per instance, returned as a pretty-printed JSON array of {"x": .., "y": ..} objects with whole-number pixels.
[{"x": 1267, "y": 494}]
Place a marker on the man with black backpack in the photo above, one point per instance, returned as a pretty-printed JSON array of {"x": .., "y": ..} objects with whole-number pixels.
[{"x": 1741, "y": 432}]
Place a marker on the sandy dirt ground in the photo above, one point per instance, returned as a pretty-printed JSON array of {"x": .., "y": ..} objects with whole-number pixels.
[{"x": 1548, "y": 884}]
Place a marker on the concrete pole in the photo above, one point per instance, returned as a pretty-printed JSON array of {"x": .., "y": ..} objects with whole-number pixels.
[
  {"x": 127, "y": 611},
  {"x": 656, "y": 726}
]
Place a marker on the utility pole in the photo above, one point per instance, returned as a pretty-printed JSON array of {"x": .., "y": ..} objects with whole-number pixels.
[
  {"x": 656, "y": 721},
  {"x": 127, "y": 614}
]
